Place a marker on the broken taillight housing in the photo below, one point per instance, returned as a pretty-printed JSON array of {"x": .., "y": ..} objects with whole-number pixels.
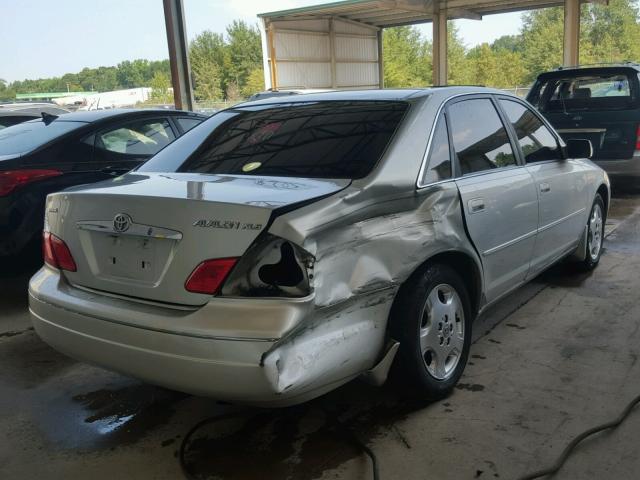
[
  {"x": 56, "y": 253},
  {"x": 272, "y": 267}
]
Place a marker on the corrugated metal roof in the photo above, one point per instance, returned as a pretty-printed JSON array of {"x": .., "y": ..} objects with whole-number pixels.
[{"x": 389, "y": 13}]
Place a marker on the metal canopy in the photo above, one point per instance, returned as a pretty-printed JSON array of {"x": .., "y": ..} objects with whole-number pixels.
[{"x": 389, "y": 13}]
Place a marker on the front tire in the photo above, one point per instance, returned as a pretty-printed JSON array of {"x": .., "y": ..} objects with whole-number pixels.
[
  {"x": 432, "y": 321},
  {"x": 595, "y": 234}
]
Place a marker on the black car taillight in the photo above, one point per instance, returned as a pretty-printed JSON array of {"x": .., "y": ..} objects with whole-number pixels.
[
  {"x": 638, "y": 138},
  {"x": 12, "y": 179},
  {"x": 273, "y": 267}
]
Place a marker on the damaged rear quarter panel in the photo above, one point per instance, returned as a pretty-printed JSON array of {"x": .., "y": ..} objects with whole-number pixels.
[{"x": 365, "y": 247}]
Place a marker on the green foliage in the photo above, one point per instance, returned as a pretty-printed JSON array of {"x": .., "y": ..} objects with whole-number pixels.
[
  {"x": 160, "y": 84},
  {"x": 406, "y": 57}
]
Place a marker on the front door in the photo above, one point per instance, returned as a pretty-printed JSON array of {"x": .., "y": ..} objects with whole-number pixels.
[{"x": 498, "y": 194}]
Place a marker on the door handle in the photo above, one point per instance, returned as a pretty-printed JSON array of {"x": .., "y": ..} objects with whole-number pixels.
[
  {"x": 545, "y": 187},
  {"x": 476, "y": 205}
]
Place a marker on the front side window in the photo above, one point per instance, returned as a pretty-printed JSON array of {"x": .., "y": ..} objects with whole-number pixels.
[
  {"x": 439, "y": 166},
  {"x": 141, "y": 138},
  {"x": 327, "y": 139},
  {"x": 479, "y": 138},
  {"x": 536, "y": 141}
]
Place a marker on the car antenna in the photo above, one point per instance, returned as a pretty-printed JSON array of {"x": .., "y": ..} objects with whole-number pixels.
[{"x": 47, "y": 118}]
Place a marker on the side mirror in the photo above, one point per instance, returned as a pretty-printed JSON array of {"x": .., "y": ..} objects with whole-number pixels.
[{"x": 579, "y": 148}]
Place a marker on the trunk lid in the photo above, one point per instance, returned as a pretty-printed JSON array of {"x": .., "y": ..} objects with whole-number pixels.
[{"x": 141, "y": 235}]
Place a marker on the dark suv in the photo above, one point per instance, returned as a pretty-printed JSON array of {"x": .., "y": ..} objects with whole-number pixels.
[{"x": 601, "y": 104}]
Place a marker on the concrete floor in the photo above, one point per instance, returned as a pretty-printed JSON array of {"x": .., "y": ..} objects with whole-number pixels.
[{"x": 556, "y": 357}]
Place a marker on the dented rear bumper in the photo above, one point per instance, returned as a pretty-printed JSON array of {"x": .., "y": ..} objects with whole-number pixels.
[{"x": 265, "y": 352}]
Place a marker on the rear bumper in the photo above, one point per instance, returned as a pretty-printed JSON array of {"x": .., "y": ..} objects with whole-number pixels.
[
  {"x": 325, "y": 348},
  {"x": 629, "y": 167}
]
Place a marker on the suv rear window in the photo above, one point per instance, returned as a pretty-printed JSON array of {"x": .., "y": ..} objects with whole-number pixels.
[
  {"x": 584, "y": 91},
  {"x": 330, "y": 139}
]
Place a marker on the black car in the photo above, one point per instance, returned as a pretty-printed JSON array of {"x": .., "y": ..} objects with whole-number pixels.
[
  {"x": 601, "y": 104},
  {"x": 52, "y": 153}
]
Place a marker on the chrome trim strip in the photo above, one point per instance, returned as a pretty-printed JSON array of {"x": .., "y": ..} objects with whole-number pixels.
[
  {"x": 560, "y": 220},
  {"x": 135, "y": 230},
  {"x": 581, "y": 130},
  {"x": 493, "y": 250}
]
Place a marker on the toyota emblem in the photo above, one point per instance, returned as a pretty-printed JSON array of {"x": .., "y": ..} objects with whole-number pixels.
[{"x": 121, "y": 222}]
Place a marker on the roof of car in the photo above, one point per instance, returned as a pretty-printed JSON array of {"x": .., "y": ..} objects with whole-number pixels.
[
  {"x": 18, "y": 113},
  {"x": 97, "y": 115},
  {"x": 397, "y": 94},
  {"x": 582, "y": 69}
]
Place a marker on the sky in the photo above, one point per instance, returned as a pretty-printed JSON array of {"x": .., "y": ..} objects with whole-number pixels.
[{"x": 44, "y": 38}]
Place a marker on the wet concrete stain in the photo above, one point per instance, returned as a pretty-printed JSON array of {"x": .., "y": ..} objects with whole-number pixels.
[
  {"x": 13, "y": 333},
  {"x": 472, "y": 387},
  {"x": 300, "y": 442},
  {"x": 122, "y": 416},
  {"x": 479, "y": 357},
  {"x": 513, "y": 325}
]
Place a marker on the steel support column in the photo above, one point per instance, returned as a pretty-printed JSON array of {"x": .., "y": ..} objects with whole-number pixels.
[
  {"x": 178, "y": 54},
  {"x": 379, "y": 34},
  {"x": 571, "y": 46},
  {"x": 440, "y": 68}
]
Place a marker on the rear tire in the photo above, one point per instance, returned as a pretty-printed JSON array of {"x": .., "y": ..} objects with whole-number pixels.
[
  {"x": 432, "y": 321},
  {"x": 595, "y": 235}
]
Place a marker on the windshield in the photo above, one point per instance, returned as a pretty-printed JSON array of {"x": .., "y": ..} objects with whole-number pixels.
[
  {"x": 328, "y": 139},
  {"x": 26, "y": 137},
  {"x": 605, "y": 91}
]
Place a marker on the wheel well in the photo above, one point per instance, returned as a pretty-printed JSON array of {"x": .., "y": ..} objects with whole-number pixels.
[
  {"x": 604, "y": 193},
  {"x": 465, "y": 266}
]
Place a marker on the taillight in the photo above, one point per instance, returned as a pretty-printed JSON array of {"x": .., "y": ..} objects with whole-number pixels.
[
  {"x": 12, "y": 179},
  {"x": 638, "y": 138},
  {"x": 56, "y": 253},
  {"x": 209, "y": 276}
]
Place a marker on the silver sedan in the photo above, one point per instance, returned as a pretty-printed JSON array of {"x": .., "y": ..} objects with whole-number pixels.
[{"x": 286, "y": 246}]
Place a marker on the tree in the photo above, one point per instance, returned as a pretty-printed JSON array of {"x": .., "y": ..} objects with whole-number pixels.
[
  {"x": 209, "y": 61},
  {"x": 160, "y": 84},
  {"x": 244, "y": 52},
  {"x": 255, "y": 82},
  {"x": 406, "y": 58}
]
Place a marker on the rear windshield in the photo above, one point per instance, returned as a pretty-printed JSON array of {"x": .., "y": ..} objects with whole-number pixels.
[
  {"x": 315, "y": 140},
  {"x": 26, "y": 137},
  {"x": 605, "y": 91}
]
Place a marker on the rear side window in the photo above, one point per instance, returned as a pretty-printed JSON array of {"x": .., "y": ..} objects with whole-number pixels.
[
  {"x": 584, "y": 92},
  {"x": 329, "y": 139},
  {"x": 144, "y": 137},
  {"x": 439, "y": 166},
  {"x": 26, "y": 137},
  {"x": 479, "y": 137},
  {"x": 188, "y": 123},
  {"x": 536, "y": 141}
]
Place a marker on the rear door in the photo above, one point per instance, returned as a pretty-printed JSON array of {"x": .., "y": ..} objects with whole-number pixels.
[
  {"x": 559, "y": 182},
  {"x": 498, "y": 194},
  {"x": 597, "y": 104}
]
